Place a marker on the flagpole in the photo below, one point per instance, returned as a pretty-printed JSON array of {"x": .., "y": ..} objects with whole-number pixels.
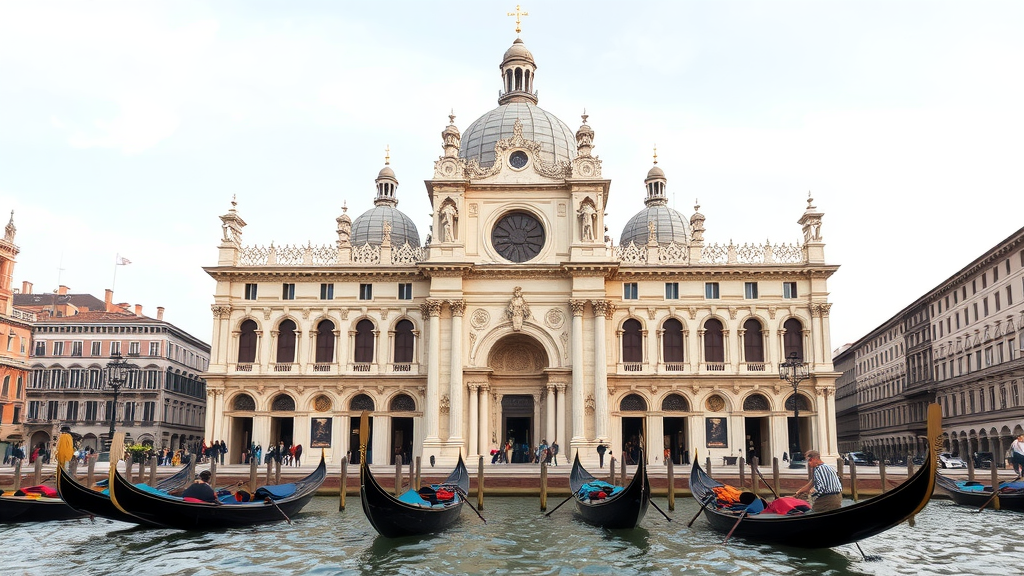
[{"x": 113, "y": 283}]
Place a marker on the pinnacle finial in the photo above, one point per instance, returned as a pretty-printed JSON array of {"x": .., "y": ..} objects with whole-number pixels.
[
  {"x": 451, "y": 117},
  {"x": 234, "y": 201},
  {"x": 387, "y": 155},
  {"x": 584, "y": 116},
  {"x": 696, "y": 205},
  {"x": 518, "y": 13},
  {"x": 810, "y": 201},
  {"x": 655, "y": 153},
  {"x": 344, "y": 206}
]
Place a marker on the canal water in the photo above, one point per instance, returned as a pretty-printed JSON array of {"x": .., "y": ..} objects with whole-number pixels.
[{"x": 516, "y": 540}]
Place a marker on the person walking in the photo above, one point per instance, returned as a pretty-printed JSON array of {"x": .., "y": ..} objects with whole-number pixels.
[
  {"x": 1017, "y": 454},
  {"x": 825, "y": 485},
  {"x": 601, "y": 449},
  {"x": 554, "y": 453}
]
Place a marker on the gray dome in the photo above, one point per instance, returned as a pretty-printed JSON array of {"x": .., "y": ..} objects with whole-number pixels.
[
  {"x": 557, "y": 141},
  {"x": 672, "y": 226},
  {"x": 369, "y": 227}
]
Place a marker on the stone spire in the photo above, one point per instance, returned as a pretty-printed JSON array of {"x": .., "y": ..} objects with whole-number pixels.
[
  {"x": 387, "y": 183},
  {"x": 344, "y": 226},
  {"x": 450, "y": 138},
  {"x": 10, "y": 230},
  {"x": 517, "y": 74},
  {"x": 584, "y": 137},
  {"x": 656, "y": 183},
  {"x": 232, "y": 225}
]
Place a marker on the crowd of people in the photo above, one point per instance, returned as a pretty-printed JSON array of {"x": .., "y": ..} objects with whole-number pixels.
[{"x": 510, "y": 453}]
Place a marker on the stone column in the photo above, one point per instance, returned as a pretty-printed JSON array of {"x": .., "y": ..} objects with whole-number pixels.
[
  {"x": 458, "y": 309},
  {"x": 602, "y": 312},
  {"x": 560, "y": 417},
  {"x": 485, "y": 418},
  {"x": 474, "y": 426},
  {"x": 432, "y": 410},
  {"x": 549, "y": 429},
  {"x": 578, "y": 426},
  {"x": 339, "y": 351}
]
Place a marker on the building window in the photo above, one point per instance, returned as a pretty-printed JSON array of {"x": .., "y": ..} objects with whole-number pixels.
[
  {"x": 711, "y": 290},
  {"x": 750, "y": 290},
  {"x": 998, "y": 304},
  {"x": 792, "y": 342},
  {"x": 148, "y": 411},
  {"x": 134, "y": 348},
  {"x": 366, "y": 291},
  {"x": 1009, "y": 296},
  {"x": 404, "y": 340},
  {"x": 72, "y": 412},
  {"x": 753, "y": 341},
  {"x": 629, "y": 291},
  {"x": 789, "y": 289},
  {"x": 250, "y": 291},
  {"x": 364, "y": 341},
  {"x": 247, "y": 342},
  {"x": 154, "y": 348},
  {"x": 288, "y": 291},
  {"x": 76, "y": 348},
  {"x": 40, "y": 348},
  {"x": 58, "y": 347},
  {"x": 52, "y": 410},
  {"x": 632, "y": 341},
  {"x": 115, "y": 348},
  {"x": 286, "y": 342},
  {"x": 714, "y": 344},
  {"x": 91, "y": 408},
  {"x": 995, "y": 273},
  {"x": 671, "y": 290},
  {"x": 405, "y": 291},
  {"x": 325, "y": 341},
  {"x": 327, "y": 291},
  {"x": 672, "y": 341},
  {"x": 95, "y": 349}
]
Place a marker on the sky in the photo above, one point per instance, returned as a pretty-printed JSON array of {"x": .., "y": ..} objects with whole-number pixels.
[{"x": 126, "y": 128}]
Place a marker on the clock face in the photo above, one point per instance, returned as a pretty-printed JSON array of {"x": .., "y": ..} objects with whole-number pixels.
[
  {"x": 518, "y": 237},
  {"x": 518, "y": 159}
]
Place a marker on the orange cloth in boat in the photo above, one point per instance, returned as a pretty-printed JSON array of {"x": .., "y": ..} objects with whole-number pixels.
[{"x": 727, "y": 495}]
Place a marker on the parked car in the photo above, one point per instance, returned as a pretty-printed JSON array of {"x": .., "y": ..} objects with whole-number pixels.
[
  {"x": 947, "y": 460},
  {"x": 858, "y": 458},
  {"x": 983, "y": 460}
]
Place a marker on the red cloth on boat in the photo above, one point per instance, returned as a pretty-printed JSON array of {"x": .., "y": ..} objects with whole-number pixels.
[
  {"x": 443, "y": 494},
  {"x": 727, "y": 495},
  {"x": 786, "y": 504},
  {"x": 41, "y": 490}
]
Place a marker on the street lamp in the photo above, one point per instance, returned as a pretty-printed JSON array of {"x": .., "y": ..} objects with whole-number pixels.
[
  {"x": 118, "y": 371},
  {"x": 794, "y": 371}
]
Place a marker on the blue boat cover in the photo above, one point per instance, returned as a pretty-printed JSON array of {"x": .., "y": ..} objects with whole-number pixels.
[
  {"x": 413, "y": 497},
  {"x": 274, "y": 492}
]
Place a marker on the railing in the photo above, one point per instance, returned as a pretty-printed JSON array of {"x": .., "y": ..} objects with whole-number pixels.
[
  {"x": 755, "y": 366},
  {"x": 401, "y": 367},
  {"x": 675, "y": 366},
  {"x": 714, "y": 366},
  {"x": 321, "y": 367},
  {"x": 283, "y": 367},
  {"x": 361, "y": 367},
  {"x": 243, "y": 367},
  {"x": 632, "y": 366}
]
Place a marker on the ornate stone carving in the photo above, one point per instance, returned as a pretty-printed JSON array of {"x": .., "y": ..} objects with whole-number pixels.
[
  {"x": 446, "y": 404},
  {"x": 652, "y": 312},
  {"x": 554, "y": 318},
  {"x": 589, "y": 405},
  {"x": 457, "y": 307},
  {"x": 343, "y": 313},
  {"x": 600, "y": 307},
  {"x": 450, "y": 169},
  {"x": 449, "y": 218},
  {"x": 564, "y": 336},
  {"x": 384, "y": 313},
  {"x": 692, "y": 311},
  {"x": 577, "y": 306},
  {"x": 266, "y": 313},
  {"x": 732, "y": 312},
  {"x": 220, "y": 311},
  {"x": 480, "y": 318},
  {"x": 431, "y": 308},
  {"x": 715, "y": 403},
  {"x": 518, "y": 309},
  {"x": 514, "y": 142},
  {"x": 587, "y": 215},
  {"x": 305, "y": 313}
]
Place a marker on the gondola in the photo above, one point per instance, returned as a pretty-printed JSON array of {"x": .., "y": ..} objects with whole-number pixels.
[
  {"x": 410, "y": 514},
  {"x": 97, "y": 503},
  {"x": 827, "y": 529},
  {"x": 964, "y": 496},
  {"x": 624, "y": 509},
  {"x": 269, "y": 504},
  {"x": 34, "y": 508}
]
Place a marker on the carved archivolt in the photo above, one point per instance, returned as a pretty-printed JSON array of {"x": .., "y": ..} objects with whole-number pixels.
[{"x": 517, "y": 356}]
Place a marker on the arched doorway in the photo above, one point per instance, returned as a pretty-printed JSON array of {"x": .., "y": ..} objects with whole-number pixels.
[
  {"x": 517, "y": 364},
  {"x": 634, "y": 427},
  {"x": 674, "y": 425}
]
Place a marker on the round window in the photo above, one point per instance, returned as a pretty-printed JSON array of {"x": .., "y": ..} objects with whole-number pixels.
[
  {"x": 518, "y": 159},
  {"x": 518, "y": 237}
]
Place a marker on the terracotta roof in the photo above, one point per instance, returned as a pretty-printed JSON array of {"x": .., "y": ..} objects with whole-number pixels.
[
  {"x": 77, "y": 300},
  {"x": 97, "y": 316}
]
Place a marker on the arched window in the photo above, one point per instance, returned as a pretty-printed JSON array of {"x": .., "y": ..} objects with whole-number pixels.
[
  {"x": 794, "y": 398},
  {"x": 672, "y": 340},
  {"x": 753, "y": 342},
  {"x": 361, "y": 402},
  {"x": 793, "y": 341},
  {"x": 364, "y": 341},
  {"x": 403, "y": 342},
  {"x": 632, "y": 342},
  {"x": 402, "y": 403},
  {"x": 714, "y": 346},
  {"x": 247, "y": 343},
  {"x": 325, "y": 342},
  {"x": 286, "y": 342},
  {"x": 244, "y": 402},
  {"x": 282, "y": 403},
  {"x": 633, "y": 403},
  {"x": 675, "y": 403},
  {"x": 756, "y": 402}
]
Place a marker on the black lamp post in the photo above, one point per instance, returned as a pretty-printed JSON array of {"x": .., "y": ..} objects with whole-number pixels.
[
  {"x": 118, "y": 370},
  {"x": 794, "y": 371}
]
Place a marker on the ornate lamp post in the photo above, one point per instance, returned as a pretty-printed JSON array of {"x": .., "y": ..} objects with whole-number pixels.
[
  {"x": 118, "y": 371},
  {"x": 794, "y": 371}
]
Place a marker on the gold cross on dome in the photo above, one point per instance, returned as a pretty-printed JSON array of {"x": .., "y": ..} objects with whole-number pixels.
[
  {"x": 387, "y": 155},
  {"x": 518, "y": 13}
]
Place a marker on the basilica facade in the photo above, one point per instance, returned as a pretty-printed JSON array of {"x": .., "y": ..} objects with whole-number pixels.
[{"x": 520, "y": 320}]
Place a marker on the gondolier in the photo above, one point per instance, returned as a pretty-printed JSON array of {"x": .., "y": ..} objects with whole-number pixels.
[
  {"x": 1017, "y": 454},
  {"x": 825, "y": 485}
]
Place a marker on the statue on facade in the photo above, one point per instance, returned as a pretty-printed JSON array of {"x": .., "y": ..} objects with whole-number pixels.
[
  {"x": 448, "y": 217},
  {"x": 517, "y": 310},
  {"x": 588, "y": 219}
]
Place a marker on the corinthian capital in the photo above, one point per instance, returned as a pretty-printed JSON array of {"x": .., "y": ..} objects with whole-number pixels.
[
  {"x": 577, "y": 307},
  {"x": 458, "y": 307}
]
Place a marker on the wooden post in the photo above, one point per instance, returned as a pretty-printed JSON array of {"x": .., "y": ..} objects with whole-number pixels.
[
  {"x": 853, "y": 480},
  {"x": 90, "y": 474},
  {"x": 479, "y": 482},
  {"x": 671, "y": 485},
  {"x": 543, "y": 487},
  {"x": 418, "y": 482},
  {"x": 707, "y": 466},
  {"x": 39, "y": 471},
  {"x": 73, "y": 468},
  {"x": 277, "y": 472},
  {"x": 343, "y": 484},
  {"x": 253, "y": 473},
  {"x": 270, "y": 469},
  {"x": 611, "y": 469},
  {"x": 213, "y": 473},
  {"x": 622, "y": 470},
  {"x": 17, "y": 474},
  {"x": 970, "y": 469},
  {"x": 754, "y": 483},
  {"x": 995, "y": 486},
  {"x": 398, "y": 476},
  {"x": 152, "y": 470},
  {"x": 910, "y": 466},
  {"x": 881, "y": 475},
  {"x": 839, "y": 467},
  {"x": 775, "y": 475},
  {"x": 411, "y": 485},
  {"x": 742, "y": 465}
]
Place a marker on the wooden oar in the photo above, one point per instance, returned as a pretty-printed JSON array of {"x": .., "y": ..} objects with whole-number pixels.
[
  {"x": 703, "y": 505},
  {"x": 560, "y": 505},
  {"x": 465, "y": 499},
  {"x": 995, "y": 492},
  {"x": 269, "y": 500},
  {"x": 660, "y": 510},
  {"x": 758, "y": 470},
  {"x": 740, "y": 519}
]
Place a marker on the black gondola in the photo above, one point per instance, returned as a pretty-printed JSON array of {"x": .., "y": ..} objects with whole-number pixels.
[
  {"x": 173, "y": 512},
  {"x": 625, "y": 509},
  {"x": 827, "y": 529},
  {"x": 97, "y": 503},
  {"x": 35, "y": 509},
  {"x": 393, "y": 517},
  {"x": 977, "y": 499}
]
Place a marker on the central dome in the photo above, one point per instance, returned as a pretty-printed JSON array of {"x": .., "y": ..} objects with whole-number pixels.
[{"x": 557, "y": 141}]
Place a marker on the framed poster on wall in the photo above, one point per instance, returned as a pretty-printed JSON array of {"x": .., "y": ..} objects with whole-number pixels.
[
  {"x": 717, "y": 432},
  {"x": 320, "y": 433}
]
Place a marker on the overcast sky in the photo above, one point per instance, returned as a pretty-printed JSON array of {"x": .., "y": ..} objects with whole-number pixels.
[{"x": 127, "y": 127}]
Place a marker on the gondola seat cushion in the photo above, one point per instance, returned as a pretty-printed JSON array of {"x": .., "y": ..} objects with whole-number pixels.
[
  {"x": 274, "y": 492},
  {"x": 785, "y": 505},
  {"x": 40, "y": 491},
  {"x": 414, "y": 498}
]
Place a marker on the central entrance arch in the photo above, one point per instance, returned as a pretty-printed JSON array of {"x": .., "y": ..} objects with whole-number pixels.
[{"x": 517, "y": 362}]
